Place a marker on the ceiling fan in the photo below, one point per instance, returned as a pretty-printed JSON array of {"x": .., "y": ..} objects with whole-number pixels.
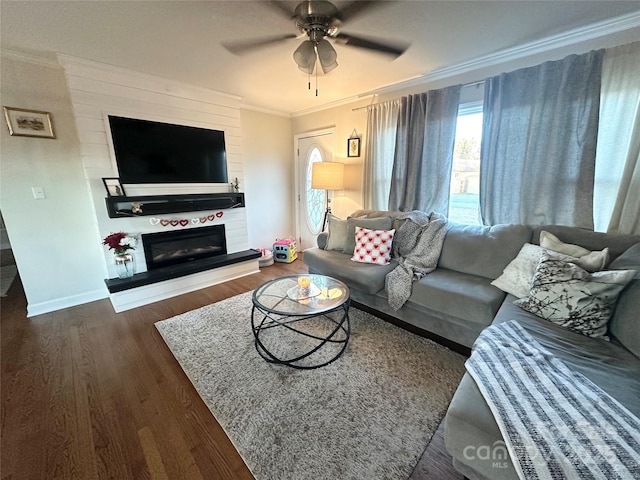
[{"x": 320, "y": 21}]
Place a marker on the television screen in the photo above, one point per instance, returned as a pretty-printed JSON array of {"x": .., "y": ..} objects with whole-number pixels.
[{"x": 153, "y": 152}]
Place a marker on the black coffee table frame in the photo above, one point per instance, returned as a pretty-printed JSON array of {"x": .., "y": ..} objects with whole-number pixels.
[{"x": 265, "y": 318}]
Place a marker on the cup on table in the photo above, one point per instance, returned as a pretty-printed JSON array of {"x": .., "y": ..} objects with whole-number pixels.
[{"x": 304, "y": 283}]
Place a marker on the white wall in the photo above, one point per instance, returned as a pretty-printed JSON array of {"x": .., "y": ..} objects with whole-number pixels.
[
  {"x": 269, "y": 177},
  {"x": 53, "y": 239},
  {"x": 99, "y": 90}
]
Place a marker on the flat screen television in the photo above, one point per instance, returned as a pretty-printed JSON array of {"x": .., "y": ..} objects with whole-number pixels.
[{"x": 154, "y": 152}]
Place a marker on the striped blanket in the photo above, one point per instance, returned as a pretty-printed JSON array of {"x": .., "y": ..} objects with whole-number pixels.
[{"x": 556, "y": 423}]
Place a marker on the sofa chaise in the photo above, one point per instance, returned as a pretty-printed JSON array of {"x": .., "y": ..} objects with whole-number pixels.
[{"x": 459, "y": 299}]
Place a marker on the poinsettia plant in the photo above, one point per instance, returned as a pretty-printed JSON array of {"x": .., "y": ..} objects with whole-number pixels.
[{"x": 120, "y": 242}]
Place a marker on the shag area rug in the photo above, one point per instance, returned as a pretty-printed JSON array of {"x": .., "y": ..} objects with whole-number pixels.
[
  {"x": 368, "y": 415},
  {"x": 7, "y": 276}
]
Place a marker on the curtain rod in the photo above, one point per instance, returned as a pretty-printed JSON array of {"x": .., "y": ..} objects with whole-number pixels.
[{"x": 471, "y": 84}]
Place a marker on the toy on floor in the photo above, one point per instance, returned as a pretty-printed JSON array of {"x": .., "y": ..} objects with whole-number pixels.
[{"x": 285, "y": 250}]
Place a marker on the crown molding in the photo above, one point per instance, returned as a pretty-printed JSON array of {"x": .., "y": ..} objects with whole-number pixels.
[
  {"x": 277, "y": 113},
  {"x": 570, "y": 37},
  {"x": 337, "y": 103},
  {"x": 30, "y": 58}
]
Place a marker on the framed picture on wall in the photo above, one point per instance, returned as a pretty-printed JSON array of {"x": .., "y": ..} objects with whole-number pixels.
[
  {"x": 28, "y": 123},
  {"x": 114, "y": 187},
  {"x": 353, "y": 147}
]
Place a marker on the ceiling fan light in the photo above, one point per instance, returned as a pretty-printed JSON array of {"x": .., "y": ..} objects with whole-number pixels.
[
  {"x": 328, "y": 68},
  {"x": 305, "y": 56},
  {"x": 327, "y": 56}
]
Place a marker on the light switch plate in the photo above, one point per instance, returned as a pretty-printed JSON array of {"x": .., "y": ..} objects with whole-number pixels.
[{"x": 38, "y": 192}]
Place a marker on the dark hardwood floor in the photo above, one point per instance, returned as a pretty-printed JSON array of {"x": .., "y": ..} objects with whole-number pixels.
[{"x": 90, "y": 394}]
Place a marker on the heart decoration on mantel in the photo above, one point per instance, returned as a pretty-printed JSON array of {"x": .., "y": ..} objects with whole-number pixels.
[{"x": 183, "y": 222}]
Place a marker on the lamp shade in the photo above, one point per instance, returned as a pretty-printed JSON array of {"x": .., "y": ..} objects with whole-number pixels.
[{"x": 327, "y": 175}]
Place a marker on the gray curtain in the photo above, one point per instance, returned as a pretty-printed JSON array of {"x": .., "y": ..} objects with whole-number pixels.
[
  {"x": 425, "y": 137},
  {"x": 382, "y": 121},
  {"x": 539, "y": 142}
]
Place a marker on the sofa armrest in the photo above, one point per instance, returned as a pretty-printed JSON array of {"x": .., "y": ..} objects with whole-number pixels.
[{"x": 322, "y": 240}]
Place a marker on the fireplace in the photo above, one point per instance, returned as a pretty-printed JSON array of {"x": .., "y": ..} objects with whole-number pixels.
[{"x": 181, "y": 246}]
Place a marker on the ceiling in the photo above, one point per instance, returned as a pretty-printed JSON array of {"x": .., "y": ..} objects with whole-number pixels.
[{"x": 181, "y": 40}]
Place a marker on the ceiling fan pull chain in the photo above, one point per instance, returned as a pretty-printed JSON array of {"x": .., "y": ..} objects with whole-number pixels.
[{"x": 316, "y": 82}]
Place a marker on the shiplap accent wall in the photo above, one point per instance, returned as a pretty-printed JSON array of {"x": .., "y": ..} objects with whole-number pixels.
[{"x": 99, "y": 90}]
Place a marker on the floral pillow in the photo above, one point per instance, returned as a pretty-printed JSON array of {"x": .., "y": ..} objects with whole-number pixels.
[
  {"x": 373, "y": 246},
  {"x": 571, "y": 297}
]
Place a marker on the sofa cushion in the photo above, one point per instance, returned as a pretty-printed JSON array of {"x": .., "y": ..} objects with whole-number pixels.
[
  {"x": 571, "y": 297},
  {"x": 367, "y": 277},
  {"x": 468, "y": 297},
  {"x": 625, "y": 323},
  {"x": 382, "y": 223},
  {"x": 609, "y": 365},
  {"x": 472, "y": 435},
  {"x": 617, "y": 243},
  {"x": 482, "y": 251},
  {"x": 322, "y": 240},
  {"x": 336, "y": 233}
]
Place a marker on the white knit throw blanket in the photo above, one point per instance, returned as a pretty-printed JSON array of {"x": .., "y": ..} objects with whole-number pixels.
[
  {"x": 417, "y": 245},
  {"x": 556, "y": 423}
]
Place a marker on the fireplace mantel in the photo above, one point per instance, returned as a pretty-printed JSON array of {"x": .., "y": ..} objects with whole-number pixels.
[{"x": 118, "y": 207}]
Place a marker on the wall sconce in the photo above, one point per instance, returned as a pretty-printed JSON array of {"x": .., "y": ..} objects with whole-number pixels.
[{"x": 327, "y": 176}]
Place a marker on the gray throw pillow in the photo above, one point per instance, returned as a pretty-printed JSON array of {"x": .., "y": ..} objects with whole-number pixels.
[
  {"x": 625, "y": 323},
  {"x": 337, "y": 233},
  {"x": 571, "y": 297},
  {"x": 370, "y": 223}
]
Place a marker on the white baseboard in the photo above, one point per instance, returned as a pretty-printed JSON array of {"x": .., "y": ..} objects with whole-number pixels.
[
  {"x": 136, "y": 297},
  {"x": 34, "y": 309}
]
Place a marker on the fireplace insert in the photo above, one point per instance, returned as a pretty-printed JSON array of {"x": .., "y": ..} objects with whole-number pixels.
[{"x": 180, "y": 246}]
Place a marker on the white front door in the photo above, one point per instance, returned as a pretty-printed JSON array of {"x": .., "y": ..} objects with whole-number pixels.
[{"x": 312, "y": 203}]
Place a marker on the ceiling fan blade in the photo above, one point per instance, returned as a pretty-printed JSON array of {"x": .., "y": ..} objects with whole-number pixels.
[
  {"x": 394, "y": 49},
  {"x": 354, "y": 9},
  {"x": 240, "y": 47},
  {"x": 282, "y": 8}
]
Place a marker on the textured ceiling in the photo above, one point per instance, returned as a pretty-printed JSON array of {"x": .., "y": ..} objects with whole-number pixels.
[{"x": 181, "y": 40}]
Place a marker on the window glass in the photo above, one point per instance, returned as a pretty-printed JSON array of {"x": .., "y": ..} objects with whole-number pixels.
[
  {"x": 316, "y": 199},
  {"x": 464, "y": 205}
]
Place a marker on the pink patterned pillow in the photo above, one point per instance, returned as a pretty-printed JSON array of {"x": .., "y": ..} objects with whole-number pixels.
[{"x": 373, "y": 246}]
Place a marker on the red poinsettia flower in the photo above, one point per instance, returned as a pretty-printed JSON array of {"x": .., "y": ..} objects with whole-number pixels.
[{"x": 120, "y": 242}]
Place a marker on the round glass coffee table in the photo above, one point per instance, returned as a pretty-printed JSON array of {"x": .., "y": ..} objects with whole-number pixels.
[{"x": 301, "y": 321}]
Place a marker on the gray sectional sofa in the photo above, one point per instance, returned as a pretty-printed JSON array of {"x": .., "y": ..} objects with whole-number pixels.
[{"x": 456, "y": 301}]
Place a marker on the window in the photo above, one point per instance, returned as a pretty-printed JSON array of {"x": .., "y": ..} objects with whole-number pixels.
[
  {"x": 315, "y": 198},
  {"x": 464, "y": 196}
]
